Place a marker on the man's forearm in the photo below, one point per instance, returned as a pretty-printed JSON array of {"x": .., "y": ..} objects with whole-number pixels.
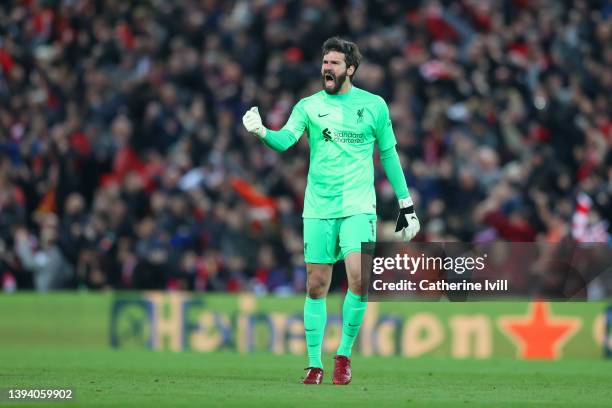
[
  {"x": 279, "y": 140},
  {"x": 391, "y": 163}
]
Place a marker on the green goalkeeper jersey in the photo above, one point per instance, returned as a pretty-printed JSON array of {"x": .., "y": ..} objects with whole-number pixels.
[{"x": 342, "y": 131}]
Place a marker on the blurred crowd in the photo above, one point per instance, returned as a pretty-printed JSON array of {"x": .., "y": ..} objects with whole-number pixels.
[{"x": 124, "y": 164}]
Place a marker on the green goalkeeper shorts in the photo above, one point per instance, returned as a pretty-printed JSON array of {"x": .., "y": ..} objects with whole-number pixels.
[{"x": 331, "y": 239}]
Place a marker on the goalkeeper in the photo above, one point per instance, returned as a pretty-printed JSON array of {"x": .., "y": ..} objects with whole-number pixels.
[{"x": 342, "y": 123}]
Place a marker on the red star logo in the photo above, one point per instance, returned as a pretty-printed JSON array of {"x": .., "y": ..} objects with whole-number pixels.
[{"x": 539, "y": 335}]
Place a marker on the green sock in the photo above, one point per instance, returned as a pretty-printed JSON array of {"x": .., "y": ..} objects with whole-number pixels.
[
  {"x": 315, "y": 317},
  {"x": 352, "y": 316}
]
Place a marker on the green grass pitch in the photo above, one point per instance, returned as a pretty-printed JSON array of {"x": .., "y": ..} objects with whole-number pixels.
[{"x": 137, "y": 378}]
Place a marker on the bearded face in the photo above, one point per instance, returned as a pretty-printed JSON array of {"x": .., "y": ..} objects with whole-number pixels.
[
  {"x": 333, "y": 83},
  {"x": 333, "y": 72}
]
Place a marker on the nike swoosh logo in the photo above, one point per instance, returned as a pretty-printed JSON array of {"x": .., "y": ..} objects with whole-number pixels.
[
  {"x": 353, "y": 325},
  {"x": 309, "y": 330},
  {"x": 322, "y": 116}
]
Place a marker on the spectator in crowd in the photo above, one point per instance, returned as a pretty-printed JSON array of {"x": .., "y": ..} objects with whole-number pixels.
[{"x": 48, "y": 265}]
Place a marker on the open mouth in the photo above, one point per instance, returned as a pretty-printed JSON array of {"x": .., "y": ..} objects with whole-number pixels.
[{"x": 329, "y": 79}]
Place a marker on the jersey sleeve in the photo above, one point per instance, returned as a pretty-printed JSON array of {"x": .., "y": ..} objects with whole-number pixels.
[
  {"x": 298, "y": 121},
  {"x": 393, "y": 169},
  {"x": 384, "y": 130},
  {"x": 283, "y": 139}
]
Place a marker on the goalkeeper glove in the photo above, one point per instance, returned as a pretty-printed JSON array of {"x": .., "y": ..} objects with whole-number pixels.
[
  {"x": 407, "y": 225},
  {"x": 252, "y": 122}
]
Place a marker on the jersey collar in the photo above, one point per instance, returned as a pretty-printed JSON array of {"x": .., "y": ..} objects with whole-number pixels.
[{"x": 344, "y": 96}]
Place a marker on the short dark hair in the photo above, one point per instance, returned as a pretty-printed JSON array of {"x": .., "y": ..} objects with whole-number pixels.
[{"x": 352, "y": 56}]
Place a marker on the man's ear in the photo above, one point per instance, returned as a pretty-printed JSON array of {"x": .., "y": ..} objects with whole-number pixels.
[{"x": 350, "y": 70}]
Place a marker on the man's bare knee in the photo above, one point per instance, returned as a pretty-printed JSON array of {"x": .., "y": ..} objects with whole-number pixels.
[
  {"x": 318, "y": 280},
  {"x": 316, "y": 287},
  {"x": 316, "y": 290},
  {"x": 355, "y": 286},
  {"x": 353, "y": 272}
]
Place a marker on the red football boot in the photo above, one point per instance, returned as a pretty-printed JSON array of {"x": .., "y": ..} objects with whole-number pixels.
[
  {"x": 342, "y": 370},
  {"x": 314, "y": 375}
]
